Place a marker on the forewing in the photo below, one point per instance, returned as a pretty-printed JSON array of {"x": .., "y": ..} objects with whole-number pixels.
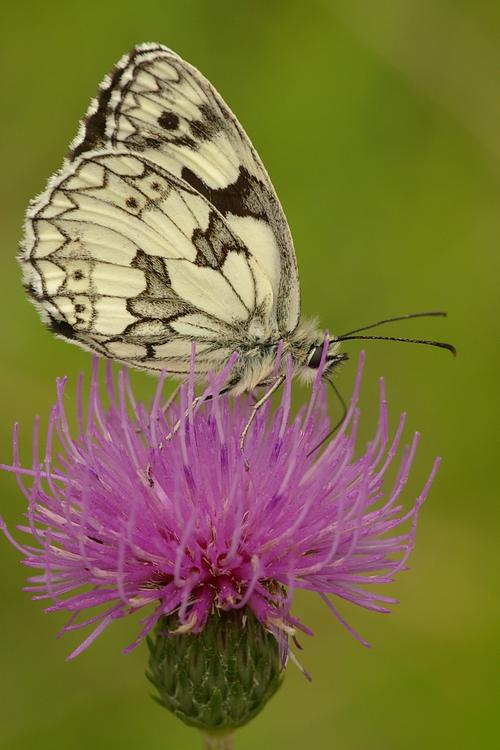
[
  {"x": 156, "y": 104},
  {"x": 130, "y": 261}
]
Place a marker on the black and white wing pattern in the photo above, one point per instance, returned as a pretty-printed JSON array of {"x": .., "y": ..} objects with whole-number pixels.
[
  {"x": 162, "y": 227},
  {"x": 129, "y": 260}
]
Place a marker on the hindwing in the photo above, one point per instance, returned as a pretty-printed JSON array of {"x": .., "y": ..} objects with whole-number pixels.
[{"x": 131, "y": 261}]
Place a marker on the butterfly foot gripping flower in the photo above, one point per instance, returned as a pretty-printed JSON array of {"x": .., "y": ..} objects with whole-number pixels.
[{"x": 124, "y": 520}]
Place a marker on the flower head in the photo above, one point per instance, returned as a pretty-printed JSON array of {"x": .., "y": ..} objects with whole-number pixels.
[{"x": 157, "y": 506}]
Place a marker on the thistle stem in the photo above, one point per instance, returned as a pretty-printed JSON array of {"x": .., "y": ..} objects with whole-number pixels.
[{"x": 218, "y": 740}]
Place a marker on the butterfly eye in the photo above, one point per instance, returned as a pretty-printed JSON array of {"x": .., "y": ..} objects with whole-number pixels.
[{"x": 315, "y": 354}]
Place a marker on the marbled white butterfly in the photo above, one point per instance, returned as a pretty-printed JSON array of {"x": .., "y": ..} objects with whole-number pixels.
[{"x": 162, "y": 228}]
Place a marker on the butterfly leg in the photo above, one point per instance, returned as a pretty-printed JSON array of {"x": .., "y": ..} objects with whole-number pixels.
[
  {"x": 168, "y": 403},
  {"x": 258, "y": 405},
  {"x": 166, "y": 406},
  {"x": 192, "y": 407},
  {"x": 194, "y": 404}
]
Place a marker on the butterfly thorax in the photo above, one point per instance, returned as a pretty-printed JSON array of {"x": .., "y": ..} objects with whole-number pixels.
[{"x": 261, "y": 362}]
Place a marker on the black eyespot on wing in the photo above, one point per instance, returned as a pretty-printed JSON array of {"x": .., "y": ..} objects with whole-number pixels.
[
  {"x": 61, "y": 328},
  {"x": 168, "y": 121}
]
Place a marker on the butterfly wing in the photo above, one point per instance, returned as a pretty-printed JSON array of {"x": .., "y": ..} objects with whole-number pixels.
[
  {"x": 156, "y": 104},
  {"x": 132, "y": 262}
]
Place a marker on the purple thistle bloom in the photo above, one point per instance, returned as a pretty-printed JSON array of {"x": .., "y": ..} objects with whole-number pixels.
[{"x": 120, "y": 516}]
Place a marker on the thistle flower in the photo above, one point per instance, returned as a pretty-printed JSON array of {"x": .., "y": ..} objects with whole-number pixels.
[{"x": 128, "y": 513}]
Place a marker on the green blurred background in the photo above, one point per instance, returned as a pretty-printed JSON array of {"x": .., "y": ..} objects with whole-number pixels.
[{"x": 380, "y": 126}]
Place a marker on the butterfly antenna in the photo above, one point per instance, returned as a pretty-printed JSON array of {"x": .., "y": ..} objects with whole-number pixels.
[
  {"x": 439, "y": 344},
  {"x": 337, "y": 425},
  {"x": 433, "y": 314},
  {"x": 351, "y": 335}
]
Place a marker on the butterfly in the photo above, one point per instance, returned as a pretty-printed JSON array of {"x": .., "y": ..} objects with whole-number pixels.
[{"x": 162, "y": 228}]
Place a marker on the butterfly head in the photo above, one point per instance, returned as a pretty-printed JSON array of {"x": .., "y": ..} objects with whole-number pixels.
[
  {"x": 332, "y": 359},
  {"x": 325, "y": 355},
  {"x": 311, "y": 351}
]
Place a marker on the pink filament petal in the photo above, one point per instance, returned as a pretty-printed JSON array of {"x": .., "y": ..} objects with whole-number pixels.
[{"x": 121, "y": 518}]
